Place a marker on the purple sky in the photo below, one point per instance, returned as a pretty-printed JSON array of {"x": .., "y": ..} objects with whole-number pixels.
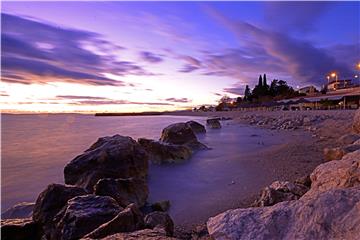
[{"x": 140, "y": 56}]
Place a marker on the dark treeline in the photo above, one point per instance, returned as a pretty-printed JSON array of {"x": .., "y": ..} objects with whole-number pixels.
[{"x": 261, "y": 93}]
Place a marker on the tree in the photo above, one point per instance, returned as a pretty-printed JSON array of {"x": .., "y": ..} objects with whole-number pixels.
[
  {"x": 260, "y": 81},
  {"x": 225, "y": 101},
  {"x": 247, "y": 93},
  {"x": 265, "y": 85},
  {"x": 238, "y": 100}
]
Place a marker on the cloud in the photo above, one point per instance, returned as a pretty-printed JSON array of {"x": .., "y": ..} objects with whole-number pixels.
[
  {"x": 93, "y": 100},
  {"x": 191, "y": 64},
  {"x": 237, "y": 89},
  {"x": 117, "y": 102},
  {"x": 43, "y": 69},
  {"x": 276, "y": 53},
  {"x": 41, "y": 50},
  {"x": 178, "y": 100},
  {"x": 150, "y": 57},
  {"x": 75, "y": 97},
  {"x": 300, "y": 16}
]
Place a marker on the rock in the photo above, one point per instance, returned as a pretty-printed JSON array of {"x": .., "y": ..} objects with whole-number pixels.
[
  {"x": 20, "y": 229},
  {"x": 336, "y": 174},
  {"x": 124, "y": 191},
  {"x": 356, "y": 122},
  {"x": 162, "y": 206},
  {"x": 145, "y": 234},
  {"x": 20, "y": 210},
  {"x": 280, "y": 191},
  {"x": 306, "y": 181},
  {"x": 338, "y": 152},
  {"x": 213, "y": 123},
  {"x": 82, "y": 215},
  {"x": 348, "y": 139},
  {"x": 160, "y": 153},
  {"x": 225, "y": 118},
  {"x": 181, "y": 134},
  {"x": 306, "y": 121},
  {"x": 200, "y": 232},
  {"x": 160, "y": 219},
  {"x": 51, "y": 201},
  {"x": 128, "y": 220},
  {"x": 196, "y": 127},
  {"x": 357, "y": 142},
  {"x": 109, "y": 157},
  {"x": 178, "y": 133},
  {"x": 329, "y": 215}
]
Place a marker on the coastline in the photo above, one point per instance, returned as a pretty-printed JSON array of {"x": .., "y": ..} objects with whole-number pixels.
[{"x": 305, "y": 135}]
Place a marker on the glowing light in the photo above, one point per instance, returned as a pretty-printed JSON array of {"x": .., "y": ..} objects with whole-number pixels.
[{"x": 333, "y": 74}]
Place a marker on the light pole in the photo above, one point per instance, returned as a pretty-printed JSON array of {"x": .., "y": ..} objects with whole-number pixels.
[{"x": 334, "y": 75}]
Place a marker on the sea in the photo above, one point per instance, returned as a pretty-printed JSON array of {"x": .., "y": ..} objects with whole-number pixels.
[{"x": 36, "y": 147}]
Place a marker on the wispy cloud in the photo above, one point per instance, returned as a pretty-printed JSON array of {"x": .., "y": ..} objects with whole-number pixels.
[
  {"x": 150, "y": 57},
  {"x": 178, "y": 100},
  {"x": 32, "y": 50}
]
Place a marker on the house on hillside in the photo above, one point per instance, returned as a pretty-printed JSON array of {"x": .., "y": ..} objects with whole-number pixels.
[{"x": 308, "y": 90}]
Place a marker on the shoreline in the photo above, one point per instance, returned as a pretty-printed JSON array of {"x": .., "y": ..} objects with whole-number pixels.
[{"x": 288, "y": 161}]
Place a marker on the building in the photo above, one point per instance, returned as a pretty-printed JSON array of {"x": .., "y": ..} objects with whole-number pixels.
[
  {"x": 339, "y": 84},
  {"x": 309, "y": 90}
]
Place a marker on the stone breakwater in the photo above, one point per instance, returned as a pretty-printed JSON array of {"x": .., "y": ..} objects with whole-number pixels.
[
  {"x": 324, "y": 205},
  {"x": 106, "y": 191}
]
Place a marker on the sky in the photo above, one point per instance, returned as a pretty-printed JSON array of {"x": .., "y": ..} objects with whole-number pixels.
[{"x": 155, "y": 56}]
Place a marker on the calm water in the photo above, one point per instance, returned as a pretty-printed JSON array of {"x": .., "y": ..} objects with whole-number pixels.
[{"x": 35, "y": 149}]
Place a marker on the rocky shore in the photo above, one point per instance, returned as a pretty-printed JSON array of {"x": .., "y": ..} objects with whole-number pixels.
[
  {"x": 106, "y": 192},
  {"x": 323, "y": 205}
]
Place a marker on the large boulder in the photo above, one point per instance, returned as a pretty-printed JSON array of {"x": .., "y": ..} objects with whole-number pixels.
[
  {"x": 329, "y": 215},
  {"x": 213, "y": 123},
  {"x": 196, "y": 127},
  {"x": 109, "y": 157},
  {"x": 336, "y": 174},
  {"x": 124, "y": 191},
  {"x": 20, "y": 210},
  {"x": 160, "y": 153},
  {"x": 178, "y": 133},
  {"x": 82, "y": 215},
  {"x": 181, "y": 134},
  {"x": 20, "y": 229},
  {"x": 145, "y": 234},
  {"x": 280, "y": 191},
  {"x": 51, "y": 201},
  {"x": 128, "y": 220},
  {"x": 160, "y": 220},
  {"x": 338, "y": 152},
  {"x": 356, "y": 121}
]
